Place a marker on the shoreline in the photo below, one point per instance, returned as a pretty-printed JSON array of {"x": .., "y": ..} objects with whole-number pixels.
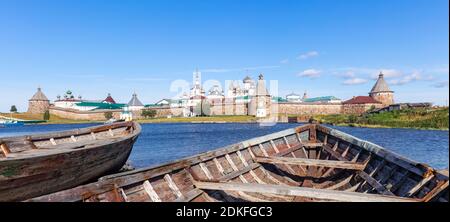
[
  {"x": 383, "y": 127},
  {"x": 150, "y": 121}
]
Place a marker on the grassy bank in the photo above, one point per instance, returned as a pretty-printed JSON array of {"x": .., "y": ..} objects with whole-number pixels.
[
  {"x": 53, "y": 119},
  {"x": 58, "y": 120},
  {"x": 422, "y": 118},
  {"x": 227, "y": 119}
]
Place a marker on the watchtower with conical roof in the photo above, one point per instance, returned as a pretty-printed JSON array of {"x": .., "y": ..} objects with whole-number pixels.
[
  {"x": 39, "y": 103},
  {"x": 135, "y": 103},
  {"x": 381, "y": 92},
  {"x": 261, "y": 102}
]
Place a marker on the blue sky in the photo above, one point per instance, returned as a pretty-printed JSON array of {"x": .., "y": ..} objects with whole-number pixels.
[{"x": 323, "y": 47}]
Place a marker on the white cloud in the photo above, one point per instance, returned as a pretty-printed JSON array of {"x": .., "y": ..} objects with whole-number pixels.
[
  {"x": 259, "y": 67},
  {"x": 87, "y": 76},
  {"x": 443, "y": 70},
  {"x": 441, "y": 84},
  {"x": 311, "y": 73},
  {"x": 222, "y": 70},
  {"x": 308, "y": 55},
  {"x": 406, "y": 79},
  {"x": 215, "y": 70},
  {"x": 388, "y": 73},
  {"x": 354, "y": 81},
  {"x": 284, "y": 61},
  {"x": 346, "y": 74},
  {"x": 146, "y": 79}
]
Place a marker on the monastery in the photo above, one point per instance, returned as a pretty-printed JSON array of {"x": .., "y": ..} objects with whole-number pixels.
[{"x": 249, "y": 97}]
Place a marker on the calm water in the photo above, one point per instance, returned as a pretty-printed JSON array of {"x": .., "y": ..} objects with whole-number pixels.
[{"x": 160, "y": 143}]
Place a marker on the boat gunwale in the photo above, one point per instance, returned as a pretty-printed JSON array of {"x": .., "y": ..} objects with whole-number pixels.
[
  {"x": 56, "y": 151},
  {"x": 67, "y": 133}
]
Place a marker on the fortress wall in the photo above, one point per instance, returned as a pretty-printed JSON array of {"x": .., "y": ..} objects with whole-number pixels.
[
  {"x": 359, "y": 108},
  {"x": 162, "y": 112},
  {"x": 308, "y": 109},
  {"x": 38, "y": 106},
  {"x": 219, "y": 109},
  {"x": 98, "y": 115}
]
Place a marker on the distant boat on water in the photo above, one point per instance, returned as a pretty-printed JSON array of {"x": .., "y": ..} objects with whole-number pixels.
[{"x": 5, "y": 123}]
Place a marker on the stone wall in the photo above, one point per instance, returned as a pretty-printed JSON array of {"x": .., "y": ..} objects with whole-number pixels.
[
  {"x": 308, "y": 108},
  {"x": 228, "y": 109},
  {"x": 38, "y": 106},
  {"x": 359, "y": 108},
  {"x": 97, "y": 115},
  {"x": 162, "y": 112},
  {"x": 386, "y": 98}
]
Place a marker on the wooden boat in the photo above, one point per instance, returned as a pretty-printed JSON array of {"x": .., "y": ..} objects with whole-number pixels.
[
  {"x": 35, "y": 165},
  {"x": 307, "y": 163}
]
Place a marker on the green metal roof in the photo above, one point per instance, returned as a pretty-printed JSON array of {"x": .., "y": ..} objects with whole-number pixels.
[
  {"x": 278, "y": 99},
  {"x": 319, "y": 99},
  {"x": 242, "y": 97},
  {"x": 152, "y": 105},
  {"x": 101, "y": 105}
]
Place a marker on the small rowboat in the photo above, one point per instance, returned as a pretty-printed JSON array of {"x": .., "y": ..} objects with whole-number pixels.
[
  {"x": 35, "y": 165},
  {"x": 307, "y": 163}
]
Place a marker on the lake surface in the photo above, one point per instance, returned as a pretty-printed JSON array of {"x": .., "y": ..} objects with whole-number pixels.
[{"x": 164, "y": 142}]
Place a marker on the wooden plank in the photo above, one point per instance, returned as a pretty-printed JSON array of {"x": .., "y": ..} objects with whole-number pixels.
[
  {"x": 287, "y": 151},
  {"x": 262, "y": 150},
  {"x": 346, "y": 150},
  {"x": 312, "y": 145},
  {"x": 110, "y": 132},
  {"x": 257, "y": 179},
  {"x": 150, "y": 191},
  {"x": 5, "y": 149},
  {"x": 219, "y": 166},
  {"x": 274, "y": 146},
  {"x": 251, "y": 153},
  {"x": 173, "y": 186},
  {"x": 287, "y": 143},
  {"x": 122, "y": 193},
  {"x": 189, "y": 196},
  {"x": 400, "y": 182},
  {"x": 242, "y": 158},
  {"x": 298, "y": 137},
  {"x": 340, "y": 184},
  {"x": 230, "y": 161},
  {"x": 374, "y": 183},
  {"x": 375, "y": 171},
  {"x": 206, "y": 171},
  {"x": 235, "y": 174},
  {"x": 441, "y": 187},
  {"x": 370, "y": 180},
  {"x": 270, "y": 177},
  {"x": 242, "y": 178},
  {"x": 419, "y": 185},
  {"x": 301, "y": 191},
  {"x": 311, "y": 162}
]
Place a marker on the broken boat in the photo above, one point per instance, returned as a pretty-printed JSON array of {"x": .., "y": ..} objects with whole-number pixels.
[
  {"x": 35, "y": 165},
  {"x": 308, "y": 163}
]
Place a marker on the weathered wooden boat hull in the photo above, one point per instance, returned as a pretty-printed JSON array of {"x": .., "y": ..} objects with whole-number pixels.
[
  {"x": 63, "y": 160},
  {"x": 308, "y": 163}
]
